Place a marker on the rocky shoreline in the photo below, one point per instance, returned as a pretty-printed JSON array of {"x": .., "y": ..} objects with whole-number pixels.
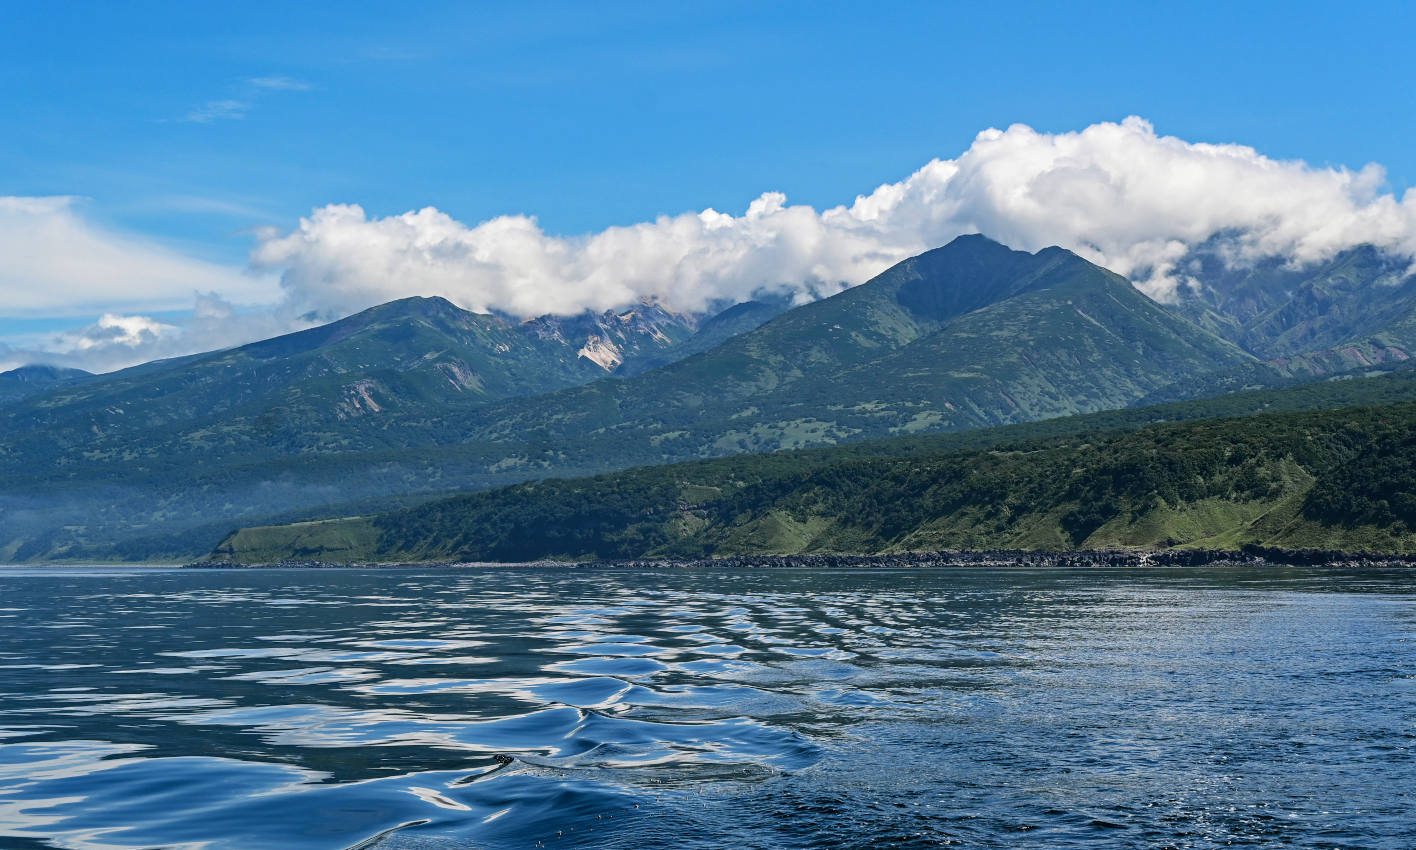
[{"x": 1081, "y": 558}]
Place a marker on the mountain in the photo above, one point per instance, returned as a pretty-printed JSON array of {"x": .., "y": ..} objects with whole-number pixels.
[
  {"x": 406, "y": 352},
  {"x": 968, "y": 335},
  {"x": 385, "y": 376},
  {"x": 32, "y": 380},
  {"x": 1353, "y": 312},
  {"x": 1331, "y": 479},
  {"x": 417, "y": 398},
  {"x": 1275, "y": 309}
]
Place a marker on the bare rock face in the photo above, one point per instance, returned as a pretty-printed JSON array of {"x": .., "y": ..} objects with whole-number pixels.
[
  {"x": 618, "y": 339},
  {"x": 601, "y": 352}
]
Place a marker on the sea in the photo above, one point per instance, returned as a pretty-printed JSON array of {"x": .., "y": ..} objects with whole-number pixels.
[{"x": 557, "y": 707}]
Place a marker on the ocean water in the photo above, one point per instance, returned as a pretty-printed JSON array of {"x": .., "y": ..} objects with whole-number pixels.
[{"x": 544, "y": 708}]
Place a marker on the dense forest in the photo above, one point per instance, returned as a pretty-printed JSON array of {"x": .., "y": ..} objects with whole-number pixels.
[{"x": 1335, "y": 478}]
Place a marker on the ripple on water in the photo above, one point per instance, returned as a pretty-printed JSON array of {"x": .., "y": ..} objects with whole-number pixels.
[
  {"x": 608, "y": 648},
  {"x": 603, "y": 666},
  {"x": 706, "y": 709}
]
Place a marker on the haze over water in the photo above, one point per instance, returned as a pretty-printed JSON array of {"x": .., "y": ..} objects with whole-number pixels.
[{"x": 588, "y": 708}]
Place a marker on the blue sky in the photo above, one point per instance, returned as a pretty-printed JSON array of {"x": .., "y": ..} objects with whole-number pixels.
[{"x": 190, "y": 125}]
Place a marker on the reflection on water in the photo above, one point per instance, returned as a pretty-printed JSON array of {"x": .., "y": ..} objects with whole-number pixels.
[{"x": 573, "y": 708}]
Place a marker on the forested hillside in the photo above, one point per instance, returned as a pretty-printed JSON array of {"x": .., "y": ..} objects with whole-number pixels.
[{"x": 1335, "y": 479}]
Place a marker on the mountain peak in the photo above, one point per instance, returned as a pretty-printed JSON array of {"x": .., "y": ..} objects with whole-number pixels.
[
  {"x": 1056, "y": 251},
  {"x": 968, "y": 273},
  {"x": 424, "y": 306},
  {"x": 42, "y": 373},
  {"x": 973, "y": 240},
  {"x": 970, "y": 245},
  {"x": 36, "y": 378},
  {"x": 988, "y": 247}
]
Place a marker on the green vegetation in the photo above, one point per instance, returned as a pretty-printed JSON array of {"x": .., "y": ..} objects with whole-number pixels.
[
  {"x": 1353, "y": 312},
  {"x": 416, "y": 399},
  {"x": 1277, "y": 310},
  {"x": 1336, "y": 478},
  {"x": 966, "y": 336},
  {"x": 343, "y": 539}
]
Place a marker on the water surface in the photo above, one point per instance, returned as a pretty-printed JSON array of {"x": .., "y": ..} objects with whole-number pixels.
[{"x": 494, "y": 708}]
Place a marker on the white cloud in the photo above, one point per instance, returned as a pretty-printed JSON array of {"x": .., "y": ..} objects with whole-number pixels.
[
  {"x": 111, "y": 330},
  {"x": 246, "y": 93},
  {"x": 219, "y": 110},
  {"x": 1118, "y": 194},
  {"x": 338, "y": 259},
  {"x": 278, "y": 83},
  {"x": 116, "y": 341},
  {"x": 56, "y": 262},
  {"x": 1135, "y": 202}
]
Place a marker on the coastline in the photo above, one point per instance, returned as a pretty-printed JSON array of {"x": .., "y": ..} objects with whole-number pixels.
[{"x": 1072, "y": 559}]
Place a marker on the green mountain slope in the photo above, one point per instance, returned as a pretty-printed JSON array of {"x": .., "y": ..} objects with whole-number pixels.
[
  {"x": 1273, "y": 309},
  {"x": 181, "y": 519},
  {"x": 416, "y": 350},
  {"x": 1356, "y": 311},
  {"x": 968, "y": 335},
  {"x": 1332, "y": 479},
  {"x": 1079, "y": 340}
]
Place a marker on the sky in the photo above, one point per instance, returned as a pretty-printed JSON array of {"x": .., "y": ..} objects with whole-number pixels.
[{"x": 178, "y": 176}]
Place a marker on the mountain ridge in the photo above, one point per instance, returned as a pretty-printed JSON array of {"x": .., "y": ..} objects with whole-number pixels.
[
  {"x": 971, "y": 334},
  {"x": 813, "y": 348}
]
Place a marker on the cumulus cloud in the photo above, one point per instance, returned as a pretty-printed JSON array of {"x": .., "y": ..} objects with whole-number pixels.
[
  {"x": 111, "y": 330},
  {"x": 57, "y": 262},
  {"x": 339, "y": 258},
  {"x": 1117, "y": 193},
  {"x": 1137, "y": 202}
]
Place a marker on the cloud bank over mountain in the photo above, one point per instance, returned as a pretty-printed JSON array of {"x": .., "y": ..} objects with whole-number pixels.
[{"x": 1117, "y": 193}]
